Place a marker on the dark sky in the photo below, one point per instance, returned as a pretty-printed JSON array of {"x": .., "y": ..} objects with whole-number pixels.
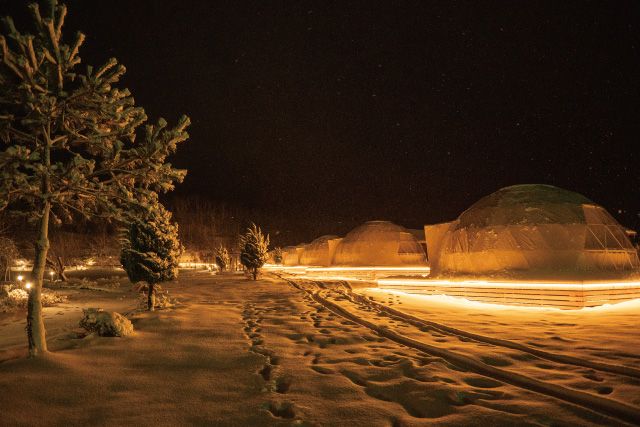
[{"x": 339, "y": 112}]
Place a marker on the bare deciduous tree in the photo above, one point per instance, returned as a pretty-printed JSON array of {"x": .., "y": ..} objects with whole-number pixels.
[
  {"x": 66, "y": 248},
  {"x": 8, "y": 254}
]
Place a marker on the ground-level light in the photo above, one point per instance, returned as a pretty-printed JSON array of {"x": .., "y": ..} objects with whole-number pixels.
[{"x": 28, "y": 285}]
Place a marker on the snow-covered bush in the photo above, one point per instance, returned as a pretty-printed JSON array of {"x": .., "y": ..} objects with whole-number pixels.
[
  {"x": 14, "y": 298},
  {"x": 18, "y": 297},
  {"x": 106, "y": 323},
  {"x": 51, "y": 298}
]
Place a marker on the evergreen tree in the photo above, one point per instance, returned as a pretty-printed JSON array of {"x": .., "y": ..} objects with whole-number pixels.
[
  {"x": 254, "y": 248},
  {"x": 222, "y": 258},
  {"x": 277, "y": 255},
  {"x": 70, "y": 143},
  {"x": 151, "y": 249}
]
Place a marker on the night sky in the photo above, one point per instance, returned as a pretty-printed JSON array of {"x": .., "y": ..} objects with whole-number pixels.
[{"x": 335, "y": 113}]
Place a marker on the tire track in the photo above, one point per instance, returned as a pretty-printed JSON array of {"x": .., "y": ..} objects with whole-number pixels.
[
  {"x": 598, "y": 404},
  {"x": 554, "y": 357}
]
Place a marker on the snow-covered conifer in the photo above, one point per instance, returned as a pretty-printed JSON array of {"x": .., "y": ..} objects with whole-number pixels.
[
  {"x": 223, "y": 260},
  {"x": 254, "y": 248},
  {"x": 277, "y": 255},
  {"x": 151, "y": 250}
]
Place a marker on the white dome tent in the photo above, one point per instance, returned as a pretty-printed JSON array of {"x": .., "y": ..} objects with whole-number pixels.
[
  {"x": 320, "y": 251},
  {"x": 379, "y": 243},
  {"x": 532, "y": 231},
  {"x": 291, "y": 255}
]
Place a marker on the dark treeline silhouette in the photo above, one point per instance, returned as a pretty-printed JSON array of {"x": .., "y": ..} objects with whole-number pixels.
[{"x": 205, "y": 223}]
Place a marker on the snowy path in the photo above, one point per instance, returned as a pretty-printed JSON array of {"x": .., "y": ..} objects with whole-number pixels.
[
  {"x": 238, "y": 352},
  {"x": 359, "y": 310}
]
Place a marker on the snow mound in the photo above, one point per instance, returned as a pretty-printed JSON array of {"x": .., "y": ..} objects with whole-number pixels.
[{"x": 106, "y": 323}]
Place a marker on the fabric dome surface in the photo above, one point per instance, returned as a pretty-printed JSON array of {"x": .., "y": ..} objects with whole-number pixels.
[
  {"x": 318, "y": 253},
  {"x": 534, "y": 230},
  {"x": 526, "y": 205},
  {"x": 379, "y": 243},
  {"x": 290, "y": 256}
]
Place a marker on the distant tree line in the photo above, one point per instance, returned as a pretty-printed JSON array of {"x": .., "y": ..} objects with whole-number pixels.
[{"x": 206, "y": 225}]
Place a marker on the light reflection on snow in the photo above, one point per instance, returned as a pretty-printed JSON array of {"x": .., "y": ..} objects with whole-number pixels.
[
  {"x": 514, "y": 284},
  {"x": 463, "y": 302}
]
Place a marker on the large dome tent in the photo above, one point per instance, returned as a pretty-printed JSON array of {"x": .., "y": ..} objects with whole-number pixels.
[{"x": 533, "y": 230}]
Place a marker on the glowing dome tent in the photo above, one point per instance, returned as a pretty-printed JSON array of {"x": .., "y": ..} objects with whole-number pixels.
[
  {"x": 291, "y": 255},
  {"x": 379, "y": 243},
  {"x": 532, "y": 231},
  {"x": 320, "y": 251}
]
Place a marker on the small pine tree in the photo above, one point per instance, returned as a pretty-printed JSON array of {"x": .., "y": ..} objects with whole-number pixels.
[
  {"x": 254, "y": 248},
  {"x": 277, "y": 255},
  {"x": 150, "y": 250},
  {"x": 222, "y": 258}
]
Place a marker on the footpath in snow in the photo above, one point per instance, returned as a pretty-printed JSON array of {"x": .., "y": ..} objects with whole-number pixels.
[{"x": 272, "y": 352}]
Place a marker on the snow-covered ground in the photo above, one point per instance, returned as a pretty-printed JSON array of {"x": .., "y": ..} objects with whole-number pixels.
[{"x": 276, "y": 352}]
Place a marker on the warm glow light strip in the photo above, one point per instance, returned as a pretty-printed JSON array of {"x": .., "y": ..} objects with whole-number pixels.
[
  {"x": 511, "y": 284},
  {"x": 285, "y": 267},
  {"x": 417, "y": 269},
  {"x": 194, "y": 264},
  {"x": 458, "y": 300},
  {"x": 297, "y": 268},
  {"x": 344, "y": 278}
]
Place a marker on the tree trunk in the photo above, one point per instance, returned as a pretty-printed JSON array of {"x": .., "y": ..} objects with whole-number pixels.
[
  {"x": 61, "y": 267},
  {"x": 255, "y": 274},
  {"x": 151, "y": 298},
  {"x": 35, "y": 324},
  {"x": 58, "y": 266}
]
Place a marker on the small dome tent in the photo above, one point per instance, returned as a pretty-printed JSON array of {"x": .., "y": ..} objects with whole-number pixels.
[
  {"x": 379, "y": 243},
  {"x": 319, "y": 252},
  {"x": 291, "y": 256},
  {"x": 533, "y": 231}
]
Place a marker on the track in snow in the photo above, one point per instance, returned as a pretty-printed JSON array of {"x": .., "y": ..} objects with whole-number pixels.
[
  {"x": 592, "y": 402},
  {"x": 554, "y": 357}
]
